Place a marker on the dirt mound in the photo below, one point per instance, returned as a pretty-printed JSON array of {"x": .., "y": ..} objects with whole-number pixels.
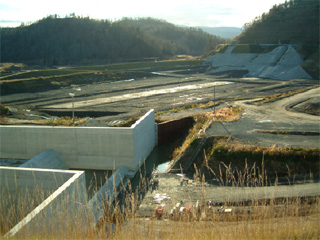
[{"x": 283, "y": 63}]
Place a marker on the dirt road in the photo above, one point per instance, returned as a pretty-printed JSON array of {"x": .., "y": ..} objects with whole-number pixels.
[{"x": 277, "y": 116}]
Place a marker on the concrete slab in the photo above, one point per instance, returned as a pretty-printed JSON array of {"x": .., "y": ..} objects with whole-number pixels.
[
  {"x": 37, "y": 202},
  {"x": 49, "y": 159}
]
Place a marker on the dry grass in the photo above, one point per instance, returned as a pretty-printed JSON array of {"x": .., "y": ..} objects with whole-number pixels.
[
  {"x": 202, "y": 122},
  {"x": 13, "y": 121},
  {"x": 228, "y": 114},
  {"x": 283, "y": 228},
  {"x": 280, "y": 96},
  {"x": 246, "y": 165},
  {"x": 295, "y": 218},
  {"x": 5, "y": 66},
  {"x": 65, "y": 121},
  {"x": 288, "y": 132},
  {"x": 313, "y": 108},
  {"x": 56, "y": 221}
]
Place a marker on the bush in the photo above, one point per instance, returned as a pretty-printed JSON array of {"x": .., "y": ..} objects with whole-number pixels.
[{"x": 4, "y": 111}]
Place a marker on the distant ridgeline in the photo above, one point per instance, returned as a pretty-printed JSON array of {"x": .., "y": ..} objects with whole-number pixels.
[{"x": 69, "y": 40}]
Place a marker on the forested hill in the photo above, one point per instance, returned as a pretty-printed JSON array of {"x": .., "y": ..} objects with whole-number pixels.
[
  {"x": 292, "y": 22},
  {"x": 72, "y": 40}
]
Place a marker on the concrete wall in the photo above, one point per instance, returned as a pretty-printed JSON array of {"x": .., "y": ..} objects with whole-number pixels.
[
  {"x": 50, "y": 200},
  {"x": 144, "y": 138},
  {"x": 83, "y": 147}
]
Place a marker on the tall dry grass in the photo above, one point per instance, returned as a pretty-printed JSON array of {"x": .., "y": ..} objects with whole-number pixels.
[
  {"x": 33, "y": 211},
  {"x": 256, "y": 165},
  {"x": 273, "y": 218},
  {"x": 286, "y": 218}
]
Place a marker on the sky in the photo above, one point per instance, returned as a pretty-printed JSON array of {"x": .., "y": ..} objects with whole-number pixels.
[{"x": 209, "y": 13}]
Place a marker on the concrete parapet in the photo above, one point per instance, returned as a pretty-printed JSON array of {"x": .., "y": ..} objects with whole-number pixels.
[
  {"x": 145, "y": 137},
  {"x": 49, "y": 159}
]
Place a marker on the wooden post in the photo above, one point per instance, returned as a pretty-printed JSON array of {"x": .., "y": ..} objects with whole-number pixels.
[{"x": 214, "y": 100}]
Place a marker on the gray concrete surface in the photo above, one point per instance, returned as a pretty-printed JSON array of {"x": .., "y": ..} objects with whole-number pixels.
[
  {"x": 83, "y": 148},
  {"x": 46, "y": 201},
  {"x": 49, "y": 159}
]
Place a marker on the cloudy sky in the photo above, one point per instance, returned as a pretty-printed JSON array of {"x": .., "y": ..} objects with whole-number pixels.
[{"x": 211, "y": 13}]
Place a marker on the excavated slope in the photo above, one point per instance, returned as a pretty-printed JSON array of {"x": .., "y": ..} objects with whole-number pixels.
[{"x": 282, "y": 63}]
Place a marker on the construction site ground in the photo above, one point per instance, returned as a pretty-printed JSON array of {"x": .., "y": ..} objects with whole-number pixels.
[
  {"x": 170, "y": 193},
  {"x": 107, "y": 104}
]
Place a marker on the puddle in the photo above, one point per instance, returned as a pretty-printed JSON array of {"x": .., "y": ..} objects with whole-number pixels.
[
  {"x": 156, "y": 73},
  {"x": 127, "y": 80},
  {"x": 163, "y": 167},
  {"x": 265, "y": 121}
]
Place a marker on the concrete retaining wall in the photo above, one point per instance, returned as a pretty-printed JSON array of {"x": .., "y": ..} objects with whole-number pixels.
[
  {"x": 41, "y": 201},
  {"x": 83, "y": 147}
]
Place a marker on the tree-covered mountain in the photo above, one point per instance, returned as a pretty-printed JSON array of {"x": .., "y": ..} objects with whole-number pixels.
[
  {"x": 55, "y": 40},
  {"x": 181, "y": 40},
  {"x": 292, "y": 22}
]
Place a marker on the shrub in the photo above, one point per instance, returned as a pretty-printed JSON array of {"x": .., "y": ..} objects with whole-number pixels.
[{"x": 4, "y": 111}]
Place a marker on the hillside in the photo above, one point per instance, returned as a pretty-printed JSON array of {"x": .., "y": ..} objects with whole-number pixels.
[
  {"x": 71, "y": 40},
  {"x": 287, "y": 38},
  {"x": 293, "y": 22}
]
